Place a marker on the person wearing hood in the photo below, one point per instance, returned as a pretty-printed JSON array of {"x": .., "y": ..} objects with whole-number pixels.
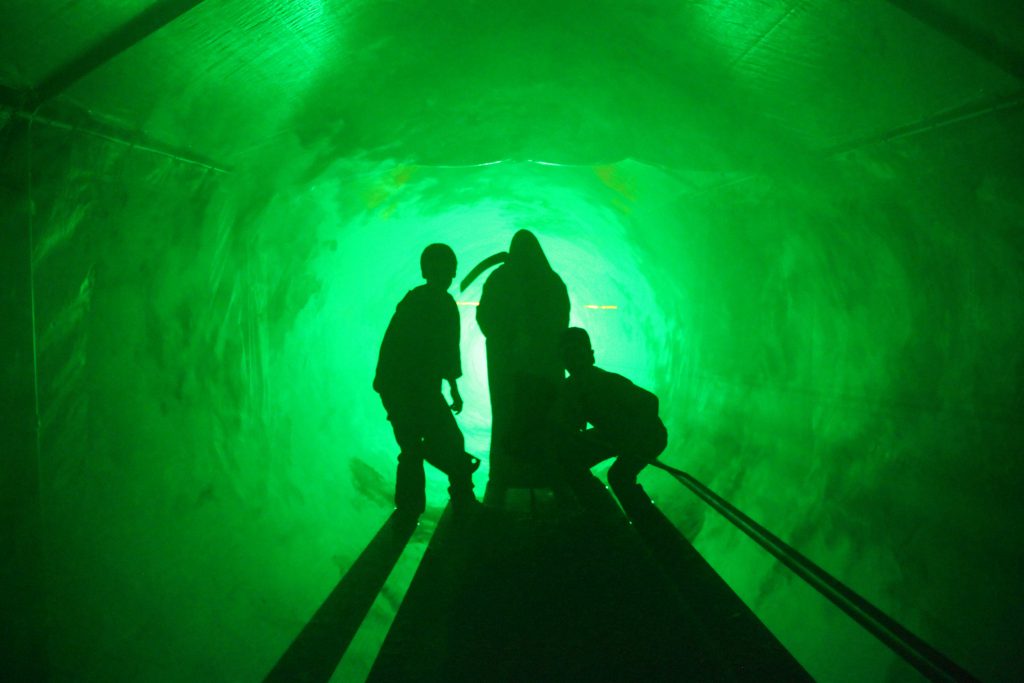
[{"x": 523, "y": 311}]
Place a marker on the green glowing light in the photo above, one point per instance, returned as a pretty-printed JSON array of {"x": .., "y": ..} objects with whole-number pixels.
[{"x": 834, "y": 335}]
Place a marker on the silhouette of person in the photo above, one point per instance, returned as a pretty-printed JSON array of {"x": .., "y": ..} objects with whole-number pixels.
[
  {"x": 523, "y": 309},
  {"x": 419, "y": 350},
  {"x": 624, "y": 418}
]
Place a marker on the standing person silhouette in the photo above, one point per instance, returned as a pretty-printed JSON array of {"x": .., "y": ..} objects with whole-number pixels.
[
  {"x": 523, "y": 310},
  {"x": 420, "y": 349}
]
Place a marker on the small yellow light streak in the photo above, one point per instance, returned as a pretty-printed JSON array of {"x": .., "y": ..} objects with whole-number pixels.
[
  {"x": 596, "y": 307},
  {"x": 468, "y": 303}
]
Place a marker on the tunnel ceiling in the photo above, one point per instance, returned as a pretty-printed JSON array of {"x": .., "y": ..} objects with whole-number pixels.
[{"x": 704, "y": 83}]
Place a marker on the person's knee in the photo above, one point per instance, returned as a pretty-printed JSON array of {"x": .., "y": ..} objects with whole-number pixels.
[
  {"x": 410, "y": 473},
  {"x": 624, "y": 471},
  {"x": 617, "y": 476},
  {"x": 412, "y": 455},
  {"x": 460, "y": 464}
]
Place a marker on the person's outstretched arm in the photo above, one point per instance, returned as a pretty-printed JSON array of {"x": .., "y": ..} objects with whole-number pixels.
[{"x": 451, "y": 365}]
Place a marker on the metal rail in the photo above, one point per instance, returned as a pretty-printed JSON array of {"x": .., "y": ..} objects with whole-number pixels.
[{"x": 930, "y": 662}]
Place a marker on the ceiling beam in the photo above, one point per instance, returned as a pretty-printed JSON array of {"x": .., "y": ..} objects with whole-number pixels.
[
  {"x": 147, "y": 22},
  {"x": 120, "y": 136},
  {"x": 951, "y": 117},
  {"x": 959, "y": 29},
  {"x": 962, "y": 114},
  {"x": 764, "y": 35}
]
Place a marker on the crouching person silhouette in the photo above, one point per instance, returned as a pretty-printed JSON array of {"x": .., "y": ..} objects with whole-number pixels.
[
  {"x": 420, "y": 349},
  {"x": 624, "y": 419}
]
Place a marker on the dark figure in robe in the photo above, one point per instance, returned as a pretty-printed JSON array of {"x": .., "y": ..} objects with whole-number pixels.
[
  {"x": 523, "y": 311},
  {"x": 420, "y": 349}
]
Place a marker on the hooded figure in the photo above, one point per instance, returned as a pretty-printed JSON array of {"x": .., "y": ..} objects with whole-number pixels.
[{"x": 524, "y": 309}]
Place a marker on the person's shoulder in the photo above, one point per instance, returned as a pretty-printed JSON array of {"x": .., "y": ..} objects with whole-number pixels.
[
  {"x": 608, "y": 377},
  {"x": 586, "y": 377},
  {"x": 411, "y": 298},
  {"x": 421, "y": 294},
  {"x": 442, "y": 297},
  {"x": 413, "y": 293},
  {"x": 426, "y": 296}
]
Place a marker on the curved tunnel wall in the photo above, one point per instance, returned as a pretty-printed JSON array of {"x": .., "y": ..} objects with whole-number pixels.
[
  {"x": 834, "y": 336},
  {"x": 835, "y": 347}
]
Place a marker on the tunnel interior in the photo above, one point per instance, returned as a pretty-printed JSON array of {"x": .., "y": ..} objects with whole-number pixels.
[{"x": 798, "y": 223}]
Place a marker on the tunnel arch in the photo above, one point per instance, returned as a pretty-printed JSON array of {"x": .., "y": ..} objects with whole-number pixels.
[{"x": 806, "y": 214}]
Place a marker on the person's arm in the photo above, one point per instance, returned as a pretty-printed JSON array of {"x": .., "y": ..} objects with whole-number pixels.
[
  {"x": 453, "y": 387},
  {"x": 453, "y": 369}
]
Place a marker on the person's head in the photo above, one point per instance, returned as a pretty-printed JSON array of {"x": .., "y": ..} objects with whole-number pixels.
[
  {"x": 575, "y": 350},
  {"x": 525, "y": 252},
  {"x": 437, "y": 264}
]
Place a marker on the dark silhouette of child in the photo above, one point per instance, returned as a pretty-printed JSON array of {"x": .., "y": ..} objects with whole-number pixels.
[
  {"x": 524, "y": 308},
  {"x": 624, "y": 418},
  {"x": 420, "y": 349}
]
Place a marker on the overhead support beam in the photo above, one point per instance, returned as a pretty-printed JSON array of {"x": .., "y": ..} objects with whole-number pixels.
[
  {"x": 135, "y": 140},
  {"x": 952, "y": 117},
  {"x": 928, "y": 124},
  {"x": 976, "y": 39},
  {"x": 23, "y": 647},
  {"x": 149, "y": 21}
]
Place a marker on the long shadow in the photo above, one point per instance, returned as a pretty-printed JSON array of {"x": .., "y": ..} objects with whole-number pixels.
[
  {"x": 571, "y": 597},
  {"x": 752, "y": 651},
  {"x": 316, "y": 651},
  {"x": 424, "y": 633}
]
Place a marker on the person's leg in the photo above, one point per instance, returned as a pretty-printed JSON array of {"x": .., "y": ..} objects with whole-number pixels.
[
  {"x": 410, "y": 483},
  {"x": 623, "y": 472},
  {"x": 593, "y": 447},
  {"x": 577, "y": 453},
  {"x": 445, "y": 449}
]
